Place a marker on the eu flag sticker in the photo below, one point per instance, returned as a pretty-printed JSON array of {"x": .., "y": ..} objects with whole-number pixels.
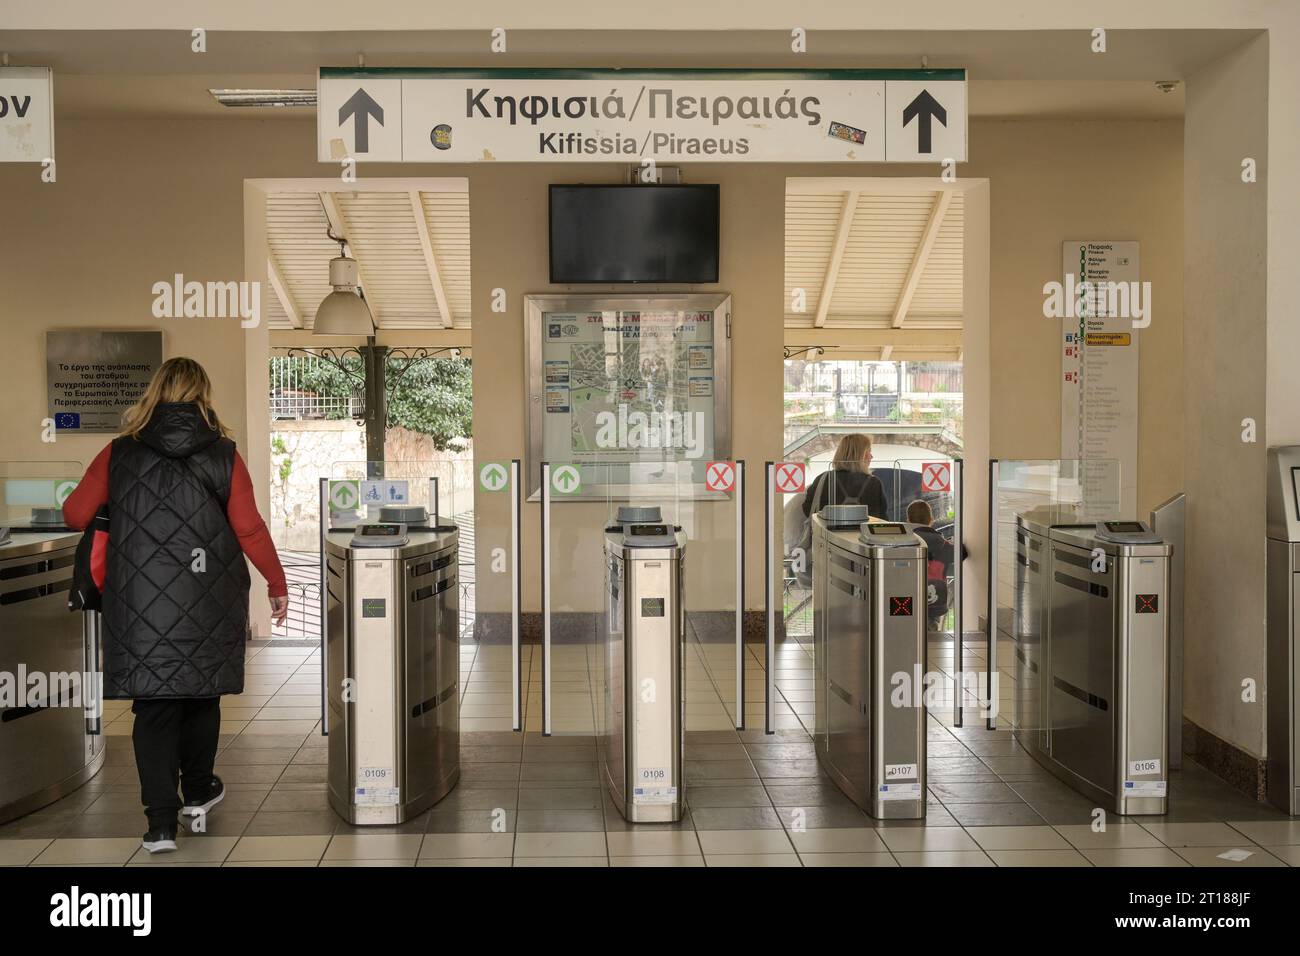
[{"x": 67, "y": 420}]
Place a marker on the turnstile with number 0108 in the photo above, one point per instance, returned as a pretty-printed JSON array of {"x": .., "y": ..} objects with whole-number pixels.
[
  {"x": 869, "y": 594},
  {"x": 643, "y": 709}
]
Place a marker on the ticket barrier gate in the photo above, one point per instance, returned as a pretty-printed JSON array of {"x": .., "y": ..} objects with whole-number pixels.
[
  {"x": 1092, "y": 658},
  {"x": 641, "y": 745},
  {"x": 869, "y": 590},
  {"x": 51, "y": 746},
  {"x": 1283, "y": 656},
  {"x": 392, "y": 659}
]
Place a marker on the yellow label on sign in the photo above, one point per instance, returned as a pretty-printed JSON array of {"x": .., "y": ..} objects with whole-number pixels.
[{"x": 1107, "y": 338}]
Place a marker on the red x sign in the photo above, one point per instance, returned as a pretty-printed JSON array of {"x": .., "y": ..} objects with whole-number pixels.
[
  {"x": 1147, "y": 604},
  {"x": 900, "y": 606},
  {"x": 789, "y": 477},
  {"x": 720, "y": 476},
  {"x": 936, "y": 476}
]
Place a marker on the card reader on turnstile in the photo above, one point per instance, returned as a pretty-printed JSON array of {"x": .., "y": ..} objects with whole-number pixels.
[
  {"x": 640, "y": 705},
  {"x": 384, "y": 535}
]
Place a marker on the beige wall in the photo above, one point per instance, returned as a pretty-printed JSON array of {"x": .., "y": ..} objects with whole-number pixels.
[
  {"x": 1226, "y": 356},
  {"x": 138, "y": 201}
]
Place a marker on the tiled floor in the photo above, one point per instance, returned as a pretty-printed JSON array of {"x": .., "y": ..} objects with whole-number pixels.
[{"x": 529, "y": 800}]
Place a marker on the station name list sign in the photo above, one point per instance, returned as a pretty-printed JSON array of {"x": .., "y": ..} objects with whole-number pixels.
[
  {"x": 92, "y": 376},
  {"x": 520, "y": 115}
]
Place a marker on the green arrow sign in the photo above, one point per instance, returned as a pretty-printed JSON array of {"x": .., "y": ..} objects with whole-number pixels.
[
  {"x": 565, "y": 479},
  {"x": 344, "y": 494},
  {"x": 494, "y": 476}
]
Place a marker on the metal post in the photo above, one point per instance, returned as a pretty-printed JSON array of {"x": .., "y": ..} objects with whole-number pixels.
[
  {"x": 515, "y": 596},
  {"x": 740, "y": 595},
  {"x": 958, "y": 477},
  {"x": 374, "y": 360},
  {"x": 991, "y": 639},
  {"x": 546, "y": 599},
  {"x": 324, "y": 610},
  {"x": 769, "y": 597}
]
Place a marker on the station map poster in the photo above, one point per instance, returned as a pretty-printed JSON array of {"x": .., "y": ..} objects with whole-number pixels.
[
  {"x": 634, "y": 395},
  {"x": 1099, "y": 371},
  {"x": 93, "y": 375}
]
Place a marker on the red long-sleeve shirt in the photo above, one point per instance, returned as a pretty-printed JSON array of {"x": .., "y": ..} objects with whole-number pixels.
[{"x": 241, "y": 511}]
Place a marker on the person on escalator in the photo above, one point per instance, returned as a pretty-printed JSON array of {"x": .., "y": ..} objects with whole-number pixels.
[{"x": 182, "y": 518}]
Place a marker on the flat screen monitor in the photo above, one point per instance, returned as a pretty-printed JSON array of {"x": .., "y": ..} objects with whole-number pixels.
[{"x": 612, "y": 233}]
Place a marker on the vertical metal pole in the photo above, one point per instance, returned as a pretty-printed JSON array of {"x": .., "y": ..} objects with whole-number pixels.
[
  {"x": 324, "y": 610},
  {"x": 739, "y": 495},
  {"x": 546, "y": 599},
  {"x": 92, "y": 690},
  {"x": 374, "y": 363},
  {"x": 958, "y": 478},
  {"x": 515, "y": 684},
  {"x": 991, "y": 639},
  {"x": 433, "y": 502},
  {"x": 769, "y": 597}
]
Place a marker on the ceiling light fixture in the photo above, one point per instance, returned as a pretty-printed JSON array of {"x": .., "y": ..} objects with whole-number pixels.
[
  {"x": 343, "y": 311},
  {"x": 281, "y": 98}
]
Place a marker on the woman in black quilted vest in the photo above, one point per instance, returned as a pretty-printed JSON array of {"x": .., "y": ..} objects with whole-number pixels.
[{"x": 182, "y": 518}]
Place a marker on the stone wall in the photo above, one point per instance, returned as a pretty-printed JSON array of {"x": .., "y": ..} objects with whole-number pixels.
[{"x": 303, "y": 452}]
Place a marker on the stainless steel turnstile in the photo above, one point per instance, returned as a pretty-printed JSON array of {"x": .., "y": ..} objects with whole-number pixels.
[
  {"x": 1092, "y": 635},
  {"x": 392, "y": 670},
  {"x": 47, "y": 750},
  {"x": 1283, "y": 666},
  {"x": 869, "y": 660},
  {"x": 640, "y": 728}
]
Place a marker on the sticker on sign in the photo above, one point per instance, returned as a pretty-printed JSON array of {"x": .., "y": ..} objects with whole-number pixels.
[
  {"x": 720, "y": 476},
  {"x": 789, "y": 477},
  {"x": 936, "y": 476}
]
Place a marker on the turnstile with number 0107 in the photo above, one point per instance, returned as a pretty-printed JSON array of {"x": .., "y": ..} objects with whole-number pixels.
[{"x": 869, "y": 582}]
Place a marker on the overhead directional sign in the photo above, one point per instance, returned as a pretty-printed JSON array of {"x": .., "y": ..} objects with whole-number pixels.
[
  {"x": 565, "y": 479},
  {"x": 926, "y": 121},
  {"x": 494, "y": 476},
  {"x": 26, "y": 114},
  {"x": 541, "y": 115}
]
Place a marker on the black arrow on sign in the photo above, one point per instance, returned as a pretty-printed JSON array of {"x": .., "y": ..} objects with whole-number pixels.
[
  {"x": 926, "y": 107},
  {"x": 363, "y": 108}
]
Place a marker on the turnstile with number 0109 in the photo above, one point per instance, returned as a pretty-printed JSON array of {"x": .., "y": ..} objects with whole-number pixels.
[
  {"x": 869, "y": 594},
  {"x": 640, "y": 729},
  {"x": 392, "y": 668}
]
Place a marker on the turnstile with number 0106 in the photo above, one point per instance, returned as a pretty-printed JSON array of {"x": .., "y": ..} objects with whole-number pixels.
[
  {"x": 869, "y": 582},
  {"x": 1092, "y": 647}
]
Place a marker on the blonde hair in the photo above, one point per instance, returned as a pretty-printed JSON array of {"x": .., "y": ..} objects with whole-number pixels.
[
  {"x": 178, "y": 380},
  {"x": 851, "y": 453}
]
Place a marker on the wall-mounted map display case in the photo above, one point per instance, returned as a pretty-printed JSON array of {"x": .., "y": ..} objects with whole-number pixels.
[{"x": 632, "y": 390}]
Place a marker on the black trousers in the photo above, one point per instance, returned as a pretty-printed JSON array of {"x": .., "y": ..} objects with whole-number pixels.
[{"x": 175, "y": 743}]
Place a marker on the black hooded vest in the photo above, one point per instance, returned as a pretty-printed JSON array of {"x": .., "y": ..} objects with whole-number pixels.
[{"x": 175, "y": 609}]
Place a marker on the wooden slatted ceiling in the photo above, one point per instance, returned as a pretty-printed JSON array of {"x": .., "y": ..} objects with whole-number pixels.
[
  {"x": 384, "y": 238},
  {"x": 881, "y": 245}
]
